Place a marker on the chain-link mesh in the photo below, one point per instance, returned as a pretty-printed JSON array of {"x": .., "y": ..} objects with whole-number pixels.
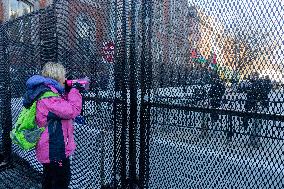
[
  {"x": 29, "y": 42},
  {"x": 2, "y": 61},
  {"x": 85, "y": 32},
  {"x": 80, "y": 35},
  {"x": 5, "y": 123},
  {"x": 192, "y": 98},
  {"x": 217, "y": 101}
]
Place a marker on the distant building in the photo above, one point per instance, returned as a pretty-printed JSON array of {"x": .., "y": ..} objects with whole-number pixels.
[
  {"x": 175, "y": 28},
  {"x": 83, "y": 28},
  {"x": 11, "y": 9}
]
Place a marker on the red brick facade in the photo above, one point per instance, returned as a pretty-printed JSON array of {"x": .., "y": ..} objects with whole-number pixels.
[
  {"x": 42, "y": 4},
  {"x": 95, "y": 14},
  {"x": 1, "y": 12},
  {"x": 94, "y": 30}
]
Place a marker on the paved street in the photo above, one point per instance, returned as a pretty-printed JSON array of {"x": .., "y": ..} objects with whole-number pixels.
[{"x": 181, "y": 155}]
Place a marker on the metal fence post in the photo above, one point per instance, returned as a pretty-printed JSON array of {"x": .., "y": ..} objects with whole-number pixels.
[{"x": 6, "y": 101}]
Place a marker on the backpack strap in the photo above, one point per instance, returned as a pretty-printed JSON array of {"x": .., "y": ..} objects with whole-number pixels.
[
  {"x": 31, "y": 111},
  {"x": 48, "y": 94}
]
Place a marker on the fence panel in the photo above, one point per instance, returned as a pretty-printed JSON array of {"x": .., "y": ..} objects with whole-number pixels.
[
  {"x": 183, "y": 94},
  {"x": 86, "y": 37},
  {"x": 216, "y": 96},
  {"x": 24, "y": 46},
  {"x": 80, "y": 35}
]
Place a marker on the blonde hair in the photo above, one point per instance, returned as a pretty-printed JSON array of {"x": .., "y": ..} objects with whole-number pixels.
[{"x": 54, "y": 70}]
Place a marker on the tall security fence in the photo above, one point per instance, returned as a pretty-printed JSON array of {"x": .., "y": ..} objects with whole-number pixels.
[
  {"x": 184, "y": 94},
  {"x": 80, "y": 35},
  {"x": 216, "y": 104}
]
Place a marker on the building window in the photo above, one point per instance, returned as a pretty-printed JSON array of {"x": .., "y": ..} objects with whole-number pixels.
[{"x": 19, "y": 7}]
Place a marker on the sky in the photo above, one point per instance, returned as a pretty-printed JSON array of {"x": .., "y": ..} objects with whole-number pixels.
[{"x": 17, "y": 5}]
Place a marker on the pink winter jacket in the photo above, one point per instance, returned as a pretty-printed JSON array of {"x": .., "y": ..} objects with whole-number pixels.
[{"x": 56, "y": 114}]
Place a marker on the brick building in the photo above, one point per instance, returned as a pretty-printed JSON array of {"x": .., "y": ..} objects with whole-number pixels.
[
  {"x": 89, "y": 27},
  {"x": 180, "y": 27},
  {"x": 176, "y": 33},
  {"x": 10, "y": 9},
  {"x": 75, "y": 39}
]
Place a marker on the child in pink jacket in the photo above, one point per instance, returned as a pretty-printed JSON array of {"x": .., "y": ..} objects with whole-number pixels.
[{"x": 56, "y": 114}]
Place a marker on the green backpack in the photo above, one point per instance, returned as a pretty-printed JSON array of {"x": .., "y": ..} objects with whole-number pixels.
[{"x": 26, "y": 132}]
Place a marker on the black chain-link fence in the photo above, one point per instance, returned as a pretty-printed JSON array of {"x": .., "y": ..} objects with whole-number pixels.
[
  {"x": 184, "y": 94},
  {"x": 28, "y": 42},
  {"x": 80, "y": 35},
  {"x": 217, "y": 101}
]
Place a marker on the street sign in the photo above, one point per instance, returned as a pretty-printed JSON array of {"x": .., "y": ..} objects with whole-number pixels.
[{"x": 108, "y": 51}]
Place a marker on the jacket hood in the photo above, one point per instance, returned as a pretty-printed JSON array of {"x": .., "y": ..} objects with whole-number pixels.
[
  {"x": 37, "y": 80},
  {"x": 36, "y": 86}
]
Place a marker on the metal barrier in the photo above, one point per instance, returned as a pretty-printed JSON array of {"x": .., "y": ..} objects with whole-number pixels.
[
  {"x": 184, "y": 94},
  {"x": 78, "y": 34},
  {"x": 216, "y": 97}
]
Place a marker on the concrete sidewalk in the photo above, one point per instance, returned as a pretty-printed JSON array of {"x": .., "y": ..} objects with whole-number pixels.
[{"x": 19, "y": 176}]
